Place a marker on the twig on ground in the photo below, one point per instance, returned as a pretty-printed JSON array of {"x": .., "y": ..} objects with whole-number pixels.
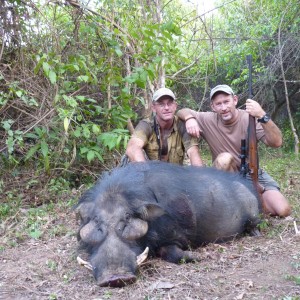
[{"x": 296, "y": 229}]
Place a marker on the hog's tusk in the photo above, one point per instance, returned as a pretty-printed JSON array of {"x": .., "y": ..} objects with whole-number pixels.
[
  {"x": 142, "y": 257},
  {"x": 84, "y": 263}
]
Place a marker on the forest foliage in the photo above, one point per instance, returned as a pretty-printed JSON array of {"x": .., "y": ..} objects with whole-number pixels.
[{"x": 73, "y": 73}]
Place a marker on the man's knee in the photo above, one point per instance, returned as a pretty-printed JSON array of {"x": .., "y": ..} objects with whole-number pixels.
[
  {"x": 286, "y": 211},
  {"x": 276, "y": 203},
  {"x": 225, "y": 162}
]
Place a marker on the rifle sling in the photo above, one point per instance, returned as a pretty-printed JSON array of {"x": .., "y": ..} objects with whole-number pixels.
[{"x": 156, "y": 130}]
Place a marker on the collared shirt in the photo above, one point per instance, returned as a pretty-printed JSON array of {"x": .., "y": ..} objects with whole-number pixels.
[{"x": 173, "y": 146}]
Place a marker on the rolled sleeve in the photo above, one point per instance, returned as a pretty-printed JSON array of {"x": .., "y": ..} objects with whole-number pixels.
[
  {"x": 142, "y": 131},
  {"x": 187, "y": 140}
]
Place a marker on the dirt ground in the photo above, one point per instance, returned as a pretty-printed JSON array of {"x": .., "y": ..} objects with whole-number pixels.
[{"x": 266, "y": 267}]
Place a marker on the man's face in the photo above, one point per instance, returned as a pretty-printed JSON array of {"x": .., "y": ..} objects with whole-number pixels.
[
  {"x": 225, "y": 106},
  {"x": 165, "y": 108}
]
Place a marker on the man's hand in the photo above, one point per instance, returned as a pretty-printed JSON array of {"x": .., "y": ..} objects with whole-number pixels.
[
  {"x": 135, "y": 150},
  {"x": 273, "y": 135},
  {"x": 192, "y": 127},
  {"x": 254, "y": 109}
]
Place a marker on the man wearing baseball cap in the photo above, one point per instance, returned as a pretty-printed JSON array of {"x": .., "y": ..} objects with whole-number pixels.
[
  {"x": 164, "y": 136},
  {"x": 225, "y": 127}
]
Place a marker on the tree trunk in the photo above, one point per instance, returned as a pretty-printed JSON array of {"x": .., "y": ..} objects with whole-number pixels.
[{"x": 280, "y": 47}]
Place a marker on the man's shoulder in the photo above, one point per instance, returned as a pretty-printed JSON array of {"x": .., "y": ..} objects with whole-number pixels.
[
  {"x": 144, "y": 129},
  {"x": 177, "y": 120},
  {"x": 146, "y": 122},
  {"x": 178, "y": 125},
  {"x": 243, "y": 114},
  {"x": 206, "y": 116}
]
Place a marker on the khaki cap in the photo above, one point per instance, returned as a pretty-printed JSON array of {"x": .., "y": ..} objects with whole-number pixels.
[
  {"x": 162, "y": 92},
  {"x": 221, "y": 88}
]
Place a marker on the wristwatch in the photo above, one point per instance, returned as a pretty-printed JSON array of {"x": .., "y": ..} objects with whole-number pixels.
[{"x": 265, "y": 119}]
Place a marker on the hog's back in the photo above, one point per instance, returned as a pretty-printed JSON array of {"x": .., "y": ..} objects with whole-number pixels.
[{"x": 220, "y": 204}]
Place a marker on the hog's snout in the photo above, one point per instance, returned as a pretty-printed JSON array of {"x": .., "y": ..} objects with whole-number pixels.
[{"x": 118, "y": 280}]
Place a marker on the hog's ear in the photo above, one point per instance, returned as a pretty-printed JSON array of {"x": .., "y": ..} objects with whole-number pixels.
[
  {"x": 149, "y": 212},
  {"x": 83, "y": 211},
  {"x": 135, "y": 229}
]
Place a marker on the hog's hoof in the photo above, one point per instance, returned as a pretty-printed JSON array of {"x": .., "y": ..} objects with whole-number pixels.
[{"x": 118, "y": 280}]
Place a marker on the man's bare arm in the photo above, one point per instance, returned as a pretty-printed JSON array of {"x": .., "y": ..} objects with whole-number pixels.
[
  {"x": 185, "y": 113},
  {"x": 273, "y": 134},
  {"x": 194, "y": 156},
  {"x": 134, "y": 149},
  {"x": 191, "y": 124}
]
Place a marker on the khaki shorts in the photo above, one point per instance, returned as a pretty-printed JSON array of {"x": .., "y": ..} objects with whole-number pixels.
[{"x": 265, "y": 180}]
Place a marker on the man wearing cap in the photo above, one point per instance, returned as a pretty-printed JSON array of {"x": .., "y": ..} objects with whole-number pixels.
[
  {"x": 225, "y": 127},
  {"x": 163, "y": 137}
]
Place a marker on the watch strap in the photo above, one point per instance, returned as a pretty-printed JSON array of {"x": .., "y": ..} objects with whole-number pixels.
[{"x": 265, "y": 119}]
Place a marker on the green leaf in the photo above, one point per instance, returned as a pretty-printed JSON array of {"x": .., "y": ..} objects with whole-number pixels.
[
  {"x": 125, "y": 142},
  {"x": 86, "y": 132},
  {"x": 46, "y": 68},
  {"x": 92, "y": 100},
  {"x": 19, "y": 93},
  {"x": 108, "y": 139},
  {"x": 72, "y": 67},
  {"x": 141, "y": 83},
  {"x": 80, "y": 98},
  {"x": 95, "y": 128},
  {"x": 10, "y": 144},
  {"x": 66, "y": 124},
  {"x": 33, "y": 102},
  {"x": 46, "y": 163},
  {"x": 32, "y": 151},
  {"x": 118, "y": 51},
  {"x": 52, "y": 77},
  {"x": 99, "y": 156},
  {"x": 82, "y": 78},
  {"x": 35, "y": 233},
  {"x": 84, "y": 150},
  {"x": 39, "y": 64},
  {"x": 90, "y": 155},
  {"x": 118, "y": 142},
  {"x": 77, "y": 132},
  {"x": 7, "y": 124},
  {"x": 44, "y": 148},
  {"x": 31, "y": 135}
]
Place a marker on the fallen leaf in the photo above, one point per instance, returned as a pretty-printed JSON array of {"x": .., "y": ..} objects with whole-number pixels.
[
  {"x": 240, "y": 296},
  {"x": 162, "y": 285}
]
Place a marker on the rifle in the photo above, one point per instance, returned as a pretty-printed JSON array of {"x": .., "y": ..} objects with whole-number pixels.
[
  {"x": 253, "y": 164},
  {"x": 156, "y": 129},
  {"x": 243, "y": 156}
]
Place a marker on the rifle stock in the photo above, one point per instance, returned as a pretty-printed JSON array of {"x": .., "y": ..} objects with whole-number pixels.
[
  {"x": 253, "y": 164},
  {"x": 252, "y": 150}
]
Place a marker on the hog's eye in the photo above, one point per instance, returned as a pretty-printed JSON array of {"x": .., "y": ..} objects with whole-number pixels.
[
  {"x": 96, "y": 220},
  {"x": 127, "y": 217}
]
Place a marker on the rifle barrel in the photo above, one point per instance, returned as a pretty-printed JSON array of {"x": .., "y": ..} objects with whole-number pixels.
[{"x": 249, "y": 62}]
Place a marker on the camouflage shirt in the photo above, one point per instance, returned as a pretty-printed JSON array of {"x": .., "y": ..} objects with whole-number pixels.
[{"x": 173, "y": 144}]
